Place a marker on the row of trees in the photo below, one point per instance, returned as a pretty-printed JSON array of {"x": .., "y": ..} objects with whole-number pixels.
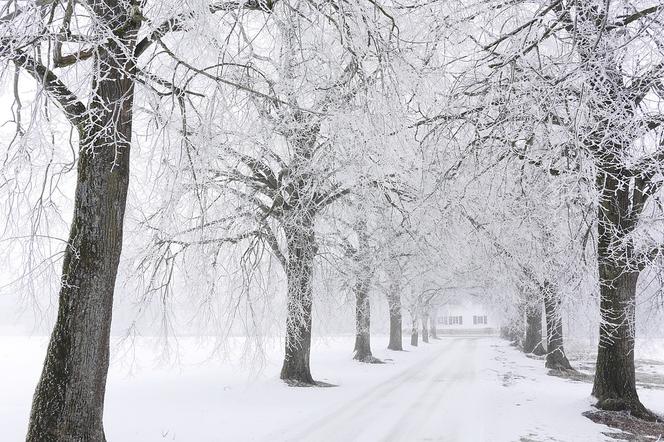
[
  {"x": 575, "y": 93},
  {"x": 290, "y": 73},
  {"x": 411, "y": 146}
]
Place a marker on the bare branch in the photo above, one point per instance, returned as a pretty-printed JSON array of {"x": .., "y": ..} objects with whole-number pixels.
[{"x": 73, "y": 108}]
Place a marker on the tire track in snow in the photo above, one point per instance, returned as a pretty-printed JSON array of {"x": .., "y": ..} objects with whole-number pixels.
[
  {"x": 405, "y": 407},
  {"x": 434, "y": 415}
]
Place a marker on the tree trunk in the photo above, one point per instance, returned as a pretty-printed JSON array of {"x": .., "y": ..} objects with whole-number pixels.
[
  {"x": 69, "y": 398},
  {"x": 68, "y": 402},
  {"x": 555, "y": 352},
  {"x": 298, "y": 224},
  {"x": 363, "y": 320},
  {"x": 301, "y": 245},
  {"x": 425, "y": 330},
  {"x": 394, "y": 305},
  {"x": 413, "y": 332},
  {"x": 533, "y": 341},
  {"x": 433, "y": 330},
  {"x": 623, "y": 193},
  {"x": 362, "y": 350},
  {"x": 615, "y": 380}
]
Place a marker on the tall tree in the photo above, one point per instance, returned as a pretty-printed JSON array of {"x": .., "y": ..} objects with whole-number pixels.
[
  {"x": 274, "y": 191},
  {"x": 69, "y": 399},
  {"x": 597, "y": 98},
  {"x": 623, "y": 189}
]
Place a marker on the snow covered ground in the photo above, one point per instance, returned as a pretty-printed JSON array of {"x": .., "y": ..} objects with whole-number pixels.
[{"x": 454, "y": 389}]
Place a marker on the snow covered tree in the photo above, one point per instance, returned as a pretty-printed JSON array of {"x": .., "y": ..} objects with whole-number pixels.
[
  {"x": 103, "y": 39},
  {"x": 270, "y": 173},
  {"x": 363, "y": 268},
  {"x": 69, "y": 399},
  {"x": 599, "y": 65}
]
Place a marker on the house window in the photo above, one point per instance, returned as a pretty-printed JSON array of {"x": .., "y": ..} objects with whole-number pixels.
[
  {"x": 478, "y": 320},
  {"x": 455, "y": 320},
  {"x": 442, "y": 320}
]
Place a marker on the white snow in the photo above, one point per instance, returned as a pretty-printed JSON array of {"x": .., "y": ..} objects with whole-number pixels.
[{"x": 454, "y": 389}]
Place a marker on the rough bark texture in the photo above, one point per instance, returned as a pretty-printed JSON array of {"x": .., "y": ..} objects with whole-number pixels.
[
  {"x": 301, "y": 247},
  {"x": 68, "y": 402},
  {"x": 396, "y": 331},
  {"x": 533, "y": 340},
  {"x": 413, "y": 333},
  {"x": 555, "y": 351},
  {"x": 615, "y": 380},
  {"x": 300, "y": 210}
]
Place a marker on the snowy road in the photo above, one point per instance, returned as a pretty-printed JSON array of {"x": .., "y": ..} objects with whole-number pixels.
[
  {"x": 466, "y": 389},
  {"x": 469, "y": 389},
  {"x": 435, "y": 399}
]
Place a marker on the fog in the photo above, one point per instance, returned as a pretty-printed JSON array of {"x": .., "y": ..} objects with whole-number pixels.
[{"x": 331, "y": 220}]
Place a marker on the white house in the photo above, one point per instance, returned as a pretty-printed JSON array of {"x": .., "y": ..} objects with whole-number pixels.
[{"x": 465, "y": 312}]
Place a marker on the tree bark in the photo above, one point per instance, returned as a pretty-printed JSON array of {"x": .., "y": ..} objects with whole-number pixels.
[
  {"x": 300, "y": 210},
  {"x": 396, "y": 331},
  {"x": 362, "y": 351},
  {"x": 555, "y": 352},
  {"x": 425, "y": 330},
  {"x": 433, "y": 330},
  {"x": 363, "y": 260},
  {"x": 68, "y": 402},
  {"x": 413, "y": 332},
  {"x": 301, "y": 245},
  {"x": 615, "y": 378},
  {"x": 533, "y": 341}
]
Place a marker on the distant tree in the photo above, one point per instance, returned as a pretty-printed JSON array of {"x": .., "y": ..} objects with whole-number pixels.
[
  {"x": 364, "y": 271},
  {"x": 433, "y": 323},
  {"x": 425, "y": 327},
  {"x": 535, "y": 284},
  {"x": 414, "y": 336},
  {"x": 556, "y": 358},
  {"x": 396, "y": 319},
  {"x": 532, "y": 343}
]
